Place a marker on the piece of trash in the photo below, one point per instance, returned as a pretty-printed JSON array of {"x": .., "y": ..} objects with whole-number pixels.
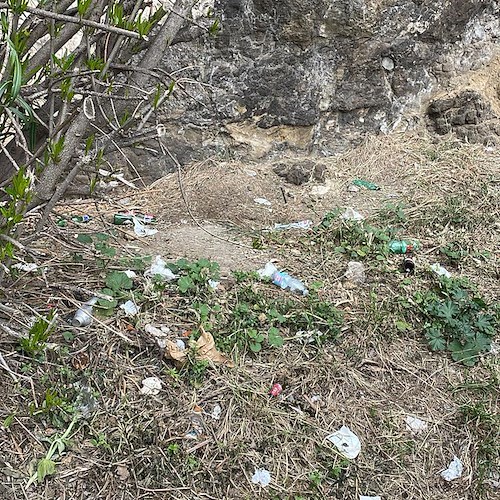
[
  {"x": 83, "y": 316},
  {"x": 151, "y": 386},
  {"x": 159, "y": 268},
  {"x": 251, "y": 173},
  {"x": 216, "y": 412},
  {"x": 160, "y": 336},
  {"x": 130, "y": 308},
  {"x": 130, "y": 274},
  {"x": 196, "y": 429},
  {"x": 440, "y": 270},
  {"x": 346, "y": 442},
  {"x": 63, "y": 221},
  {"x": 85, "y": 402},
  {"x": 351, "y": 214},
  {"x": 282, "y": 279},
  {"x": 355, "y": 272},
  {"x": 141, "y": 230},
  {"x": 128, "y": 218},
  {"x": 408, "y": 265},
  {"x": 180, "y": 344},
  {"x": 365, "y": 184},
  {"x": 415, "y": 425},
  {"x": 213, "y": 284},
  {"x": 276, "y": 390},
  {"x": 28, "y": 267},
  {"x": 205, "y": 351},
  {"x": 262, "y": 201},
  {"x": 401, "y": 246},
  {"x": 262, "y": 477},
  {"x": 301, "y": 224},
  {"x": 363, "y": 497},
  {"x": 495, "y": 348},
  {"x": 319, "y": 190},
  {"x": 316, "y": 398},
  {"x": 352, "y": 189},
  {"x": 454, "y": 470}
]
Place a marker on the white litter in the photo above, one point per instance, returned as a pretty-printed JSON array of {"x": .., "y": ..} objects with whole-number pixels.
[
  {"x": 141, "y": 230},
  {"x": 355, "y": 272},
  {"x": 26, "y": 266},
  {"x": 363, "y": 497},
  {"x": 440, "y": 270},
  {"x": 301, "y": 224},
  {"x": 415, "y": 425},
  {"x": 216, "y": 412},
  {"x": 160, "y": 336},
  {"x": 180, "y": 344},
  {"x": 262, "y": 201},
  {"x": 319, "y": 190},
  {"x": 151, "y": 386},
  {"x": 495, "y": 348},
  {"x": 130, "y": 274},
  {"x": 213, "y": 284},
  {"x": 346, "y": 442},
  {"x": 159, "y": 268},
  {"x": 262, "y": 477},
  {"x": 454, "y": 470},
  {"x": 352, "y": 188},
  {"x": 130, "y": 308},
  {"x": 351, "y": 214}
]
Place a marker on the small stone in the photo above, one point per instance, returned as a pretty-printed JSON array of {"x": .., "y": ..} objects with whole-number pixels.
[{"x": 387, "y": 63}]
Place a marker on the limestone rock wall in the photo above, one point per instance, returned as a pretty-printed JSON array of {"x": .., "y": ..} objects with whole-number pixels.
[{"x": 319, "y": 75}]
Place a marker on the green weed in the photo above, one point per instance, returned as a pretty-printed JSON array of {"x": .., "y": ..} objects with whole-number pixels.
[{"x": 39, "y": 333}]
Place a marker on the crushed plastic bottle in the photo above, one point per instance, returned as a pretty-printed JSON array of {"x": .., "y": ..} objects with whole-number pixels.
[
  {"x": 63, "y": 221},
  {"x": 128, "y": 218},
  {"x": 401, "y": 246},
  {"x": 365, "y": 184},
  {"x": 282, "y": 279},
  {"x": 83, "y": 316}
]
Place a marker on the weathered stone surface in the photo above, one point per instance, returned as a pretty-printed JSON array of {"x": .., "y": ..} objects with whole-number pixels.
[
  {"x": 300, "y": 173},
  {"x": 335, "y": 70}
]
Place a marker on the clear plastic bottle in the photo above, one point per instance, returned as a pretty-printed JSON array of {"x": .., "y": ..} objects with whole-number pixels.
[
  {"x": 83, "y": 316},
  {"x": 283, "y": 280}
]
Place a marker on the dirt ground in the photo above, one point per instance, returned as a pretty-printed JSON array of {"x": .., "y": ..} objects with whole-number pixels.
[{"x": 371, "y": 375}]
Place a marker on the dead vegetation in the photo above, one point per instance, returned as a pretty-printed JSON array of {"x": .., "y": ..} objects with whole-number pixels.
[{"x": 369, "y": 369}]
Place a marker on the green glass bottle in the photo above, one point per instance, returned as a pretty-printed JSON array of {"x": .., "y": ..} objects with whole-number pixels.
[{"x": 401, "y": 246}]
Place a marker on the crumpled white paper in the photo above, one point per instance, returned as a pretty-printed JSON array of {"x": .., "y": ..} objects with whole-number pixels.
[
  {"x": 262, "y": 477},
  {"x": 141, "y": 230},
  {"x": 130, "y": 308},
  {"x": 355, "y": 272},
  {"x": 454, "y": 470},
  {"x": 415, "y": 425},
  {"x": 346, "y": 442},
  {"x": 159, "y": 267},
  {"x": 216, "y": 412},
  {"x": 362, "y": 497},
  {"x": 151, "y": 386},
  {"x": 160, "y": 335},
  {"x": 440, "y": 270},
  {"x": 262, "y": 201},
  {"x": 351, "y": 214},
  {"x": 26, "y": 266}
]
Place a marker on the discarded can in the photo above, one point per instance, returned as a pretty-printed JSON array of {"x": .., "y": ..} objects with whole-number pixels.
[
  {"x": 63, "y": 222},
  {"x": 366, "y": 184},
  {"x": 276, "y": 390},
  {"x": 401, "y": 246},
  {"x": 408, "y": 265},
  {"x": 128, "y": 218}
]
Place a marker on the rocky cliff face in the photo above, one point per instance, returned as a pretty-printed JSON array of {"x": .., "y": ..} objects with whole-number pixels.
[{"x": 319, "y": 75}]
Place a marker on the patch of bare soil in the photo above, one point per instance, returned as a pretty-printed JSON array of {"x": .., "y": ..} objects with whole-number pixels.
[{"x": 353, "y": 354}]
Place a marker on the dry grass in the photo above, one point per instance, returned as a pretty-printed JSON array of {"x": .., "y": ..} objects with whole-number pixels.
[{"x": 369, "y": 379}]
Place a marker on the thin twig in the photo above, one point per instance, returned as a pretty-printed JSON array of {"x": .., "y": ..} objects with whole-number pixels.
[{"x": 80, "y": 21}]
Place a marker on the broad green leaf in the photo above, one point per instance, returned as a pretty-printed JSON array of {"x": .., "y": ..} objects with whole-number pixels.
[
  {"x": 466, "y": 354},
  {"x": 274, "y": 337},
  {"x": 118, "y": 280},
  {"x": 46, "y": 467},
  {"x": 435, "y": 339},
  {"x": 255, "y": 346},
  {"x": 483, "y": 323},
  {"x": 185, "y": 283},
  {"x": 84, "y": 238}
]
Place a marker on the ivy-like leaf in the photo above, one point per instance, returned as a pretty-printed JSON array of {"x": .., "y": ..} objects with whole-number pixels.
[
  {"x": 483, "y": 324},
  {"x": 185, "y": 283},
  {"x": 435, "y": 338},
  {"x": 466, "y": 354},
  {"x": 447, "y": 310}
]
